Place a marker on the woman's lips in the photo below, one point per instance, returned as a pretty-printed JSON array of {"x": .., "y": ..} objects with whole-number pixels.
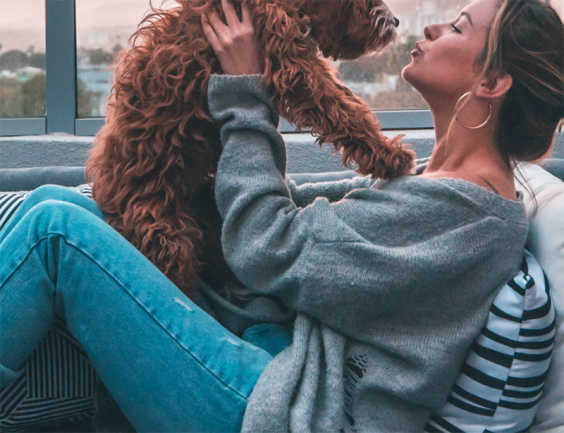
[{"x": 417, "y": 51}]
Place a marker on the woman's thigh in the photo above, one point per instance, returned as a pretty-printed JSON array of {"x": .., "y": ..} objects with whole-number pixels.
[{"x": 167, "y": 363}]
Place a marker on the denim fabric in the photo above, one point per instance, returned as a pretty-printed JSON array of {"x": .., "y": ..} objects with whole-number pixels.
[
  {"x": 168, "y": 364},
  {"x": 268, "y": 336}
]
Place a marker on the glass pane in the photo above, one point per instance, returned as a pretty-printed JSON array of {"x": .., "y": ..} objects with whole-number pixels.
[
  {"x": 376, "y": 78},
  {"x": 103, "y": 29},
  {"x": 559, "y": 6},
  {"x": 104, "y": 26},
  {"x": 22, "y": 59}
]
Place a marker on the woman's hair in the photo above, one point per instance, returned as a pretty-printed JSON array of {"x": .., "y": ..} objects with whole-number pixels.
[{"x": 526, "y": 40}]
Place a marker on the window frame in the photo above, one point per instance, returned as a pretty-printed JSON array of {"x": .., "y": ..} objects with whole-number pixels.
[{"x": 61, "y": 92}]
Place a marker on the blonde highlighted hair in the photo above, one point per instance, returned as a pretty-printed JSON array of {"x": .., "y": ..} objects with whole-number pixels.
[{"x": 526, "y": 40}]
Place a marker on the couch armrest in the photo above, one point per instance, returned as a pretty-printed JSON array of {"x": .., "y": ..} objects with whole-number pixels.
[{"x": 26, "y": 179}]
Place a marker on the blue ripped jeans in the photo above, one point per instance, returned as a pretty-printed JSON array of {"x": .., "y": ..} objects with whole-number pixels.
[{"x": 167, "y": 363}]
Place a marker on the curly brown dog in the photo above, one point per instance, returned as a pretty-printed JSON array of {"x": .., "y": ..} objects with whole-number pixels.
[{"x": 153, "y": 163}]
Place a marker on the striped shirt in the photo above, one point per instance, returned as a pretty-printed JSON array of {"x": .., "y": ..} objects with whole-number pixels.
[{"x": 502, "y": 380}]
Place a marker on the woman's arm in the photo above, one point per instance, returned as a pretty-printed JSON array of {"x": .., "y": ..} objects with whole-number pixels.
[
  {"x": 372, "y": 253},
  {"x": 304, "y": 189},
  {"x": 347, "y": 262}
]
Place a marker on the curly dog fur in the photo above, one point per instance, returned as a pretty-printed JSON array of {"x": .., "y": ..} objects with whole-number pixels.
[{"x": 152, "y": 165}]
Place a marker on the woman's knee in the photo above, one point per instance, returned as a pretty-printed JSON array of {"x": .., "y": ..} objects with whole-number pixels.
[
  {"x": 49, "y": 192},
  {"x": 61, "y": 194},
  {"x": 56, "y": 210}
]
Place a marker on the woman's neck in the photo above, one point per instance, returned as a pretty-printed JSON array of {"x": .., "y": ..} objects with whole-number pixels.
[
  {"x": 462, "y": 148},
  {"x": 468, "y": 154}
]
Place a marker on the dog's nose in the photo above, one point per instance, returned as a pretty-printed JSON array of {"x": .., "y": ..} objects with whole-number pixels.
[{"x": 396, "y": 22}]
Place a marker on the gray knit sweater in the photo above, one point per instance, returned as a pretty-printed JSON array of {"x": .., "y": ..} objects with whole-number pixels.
[{"x": 391, "y": 283}]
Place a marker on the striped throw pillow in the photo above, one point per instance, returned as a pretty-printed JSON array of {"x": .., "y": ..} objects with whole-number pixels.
[
  {"x": 9, "y": 202},
  {"x": 57, "y": 383},
  {"x": 502, "y": 380}
]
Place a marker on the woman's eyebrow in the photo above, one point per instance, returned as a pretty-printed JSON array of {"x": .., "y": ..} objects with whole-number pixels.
[{"x": 467, "y": 15}]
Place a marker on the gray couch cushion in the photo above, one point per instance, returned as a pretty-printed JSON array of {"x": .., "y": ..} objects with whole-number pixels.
[
  {"x": 555, "y": 166},
  {"x": 26, "y": 179}
]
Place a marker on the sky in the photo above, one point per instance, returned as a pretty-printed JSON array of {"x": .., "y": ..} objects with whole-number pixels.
[
  {"x": 129, "y": 12},
  {"x": 22, "y": 22},
  {"x": 91, "y": 13}
]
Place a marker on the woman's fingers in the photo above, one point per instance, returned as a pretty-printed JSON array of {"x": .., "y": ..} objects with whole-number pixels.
[
  {"x": 222, "y": 32},
  {"x": 234, "y": 43},
  {"x": 246, "y": 12},
  {"x": 210, "y": 34},
  {"x": 217, "y": 24},
  {"x": 230, "y": 14}
]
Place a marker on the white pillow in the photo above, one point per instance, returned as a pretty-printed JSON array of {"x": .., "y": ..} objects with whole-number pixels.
[{"x": 546, "y": 242}]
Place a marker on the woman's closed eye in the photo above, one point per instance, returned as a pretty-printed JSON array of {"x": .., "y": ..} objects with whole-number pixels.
[{"x": 456, "y": 29}]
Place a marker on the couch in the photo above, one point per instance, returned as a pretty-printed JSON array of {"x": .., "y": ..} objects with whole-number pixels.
[{"x": 23, "y": 177}]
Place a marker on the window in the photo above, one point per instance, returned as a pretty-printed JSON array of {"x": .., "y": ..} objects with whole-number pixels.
[
  {"x": 66, "y": 90},
  {"x": 22, "y": 59},
  {"x": 376, "y": 78},
  {"x": 103, "y": 28}
]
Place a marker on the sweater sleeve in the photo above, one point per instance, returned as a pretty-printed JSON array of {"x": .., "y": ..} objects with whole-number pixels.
[
  {"x": 343, "y": 262},
  {"x": 265, "y": 235}
]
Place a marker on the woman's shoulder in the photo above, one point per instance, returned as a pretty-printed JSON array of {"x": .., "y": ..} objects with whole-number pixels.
[{"x": 440, "y": 195}]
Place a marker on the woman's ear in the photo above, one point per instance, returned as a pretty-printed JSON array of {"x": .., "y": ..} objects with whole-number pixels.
[{"x": 494, "y": 87}]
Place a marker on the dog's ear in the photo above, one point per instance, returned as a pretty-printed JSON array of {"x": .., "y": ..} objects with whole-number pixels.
[
  {"x": 348, "y": 29},
  {"x": 328, "y": 21}
]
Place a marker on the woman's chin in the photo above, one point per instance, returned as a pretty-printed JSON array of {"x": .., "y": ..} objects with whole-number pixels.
[{"x": 407, "y": 73}]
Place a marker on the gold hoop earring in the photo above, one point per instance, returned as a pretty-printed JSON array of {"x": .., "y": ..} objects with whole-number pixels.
[{"x": 481, "y": 125}]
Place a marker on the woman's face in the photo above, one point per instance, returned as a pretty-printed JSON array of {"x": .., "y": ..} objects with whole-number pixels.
[{"x": 442, "y": 64}]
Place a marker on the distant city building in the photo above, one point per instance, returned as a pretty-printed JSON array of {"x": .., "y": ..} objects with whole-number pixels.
[
  {"x": 428, "y": 12},
  {"x": 22, "y": 74}
]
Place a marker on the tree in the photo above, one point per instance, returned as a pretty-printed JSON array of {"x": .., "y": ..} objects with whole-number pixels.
[
  {"x": 37, "y": 60},
  {"x": 10, "y": 98},
  {"x": 370, "y": 68},
  {"x": 34, "y": 96},
  {"x": 100, "y": 57},
  {"x": 400, "y": 54},
  {"x": 29, "y": 98},
  {"x": 85, "y": 99},
  {"x": 13, "y": 60}
]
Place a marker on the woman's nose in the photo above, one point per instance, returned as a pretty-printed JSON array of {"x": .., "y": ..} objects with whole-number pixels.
[
  {"x": 396, "y": 22},
  {"x": 427, "y": 33}
]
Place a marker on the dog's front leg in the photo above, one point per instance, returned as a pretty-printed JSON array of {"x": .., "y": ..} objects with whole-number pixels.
[{"x": 316, "y": 99}]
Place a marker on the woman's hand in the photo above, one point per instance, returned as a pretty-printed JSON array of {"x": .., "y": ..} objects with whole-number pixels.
[{"x": 234, "y": 44}]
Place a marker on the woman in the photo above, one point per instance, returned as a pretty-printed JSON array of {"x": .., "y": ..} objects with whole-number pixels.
[{"x": 390, "y": 284}]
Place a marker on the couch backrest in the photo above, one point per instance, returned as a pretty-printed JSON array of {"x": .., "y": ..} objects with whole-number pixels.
[
  {"x": 555, "y": 166},
  {"x": 26, "y": 179},
  {"x": 27, "y": 162}
]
